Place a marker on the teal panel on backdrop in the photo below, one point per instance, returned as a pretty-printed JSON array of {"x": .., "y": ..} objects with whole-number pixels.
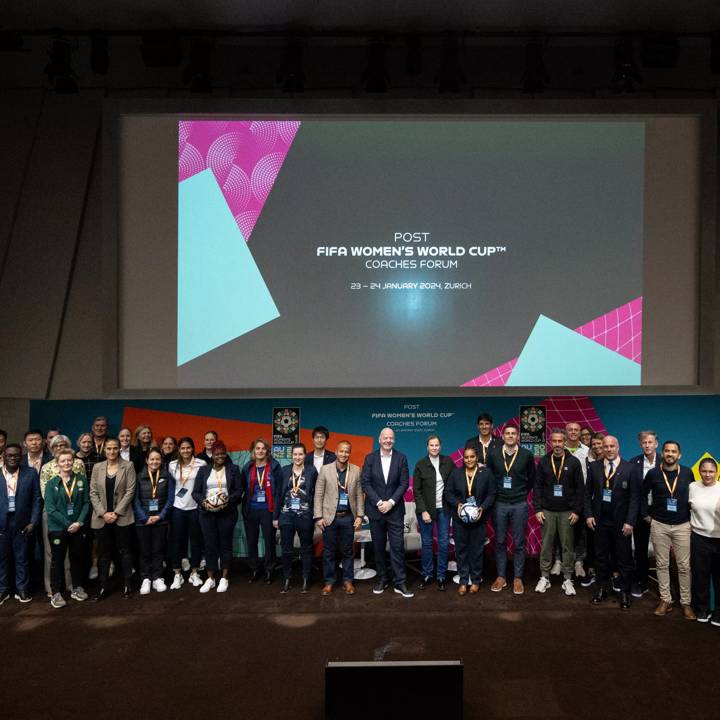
[{"x": 209, "y": 236}]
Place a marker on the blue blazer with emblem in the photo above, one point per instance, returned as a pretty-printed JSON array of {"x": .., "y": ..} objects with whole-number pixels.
[
  {"x": 374, "y": 485},
  {"x": 625, "y": 503},
  {"x": 28, "y": 501}
]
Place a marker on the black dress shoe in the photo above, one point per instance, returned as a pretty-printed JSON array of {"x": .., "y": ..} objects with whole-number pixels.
[
  {"x": 441, "y": 585},
  {"x": 380, "y": 586},
  {"x": 425, "y": 582},
  {"x": 126, "y": 593},
  {"x": 600, "y": 595},
  {"x": 305, "y": 586},
  {"x": 102, "y": 595},
  {"x": 624, "y": 601},
  {"x": 286, "y": 586},
  {"x": 268, "y": 577},
  {"x": 254, "y": 575}
]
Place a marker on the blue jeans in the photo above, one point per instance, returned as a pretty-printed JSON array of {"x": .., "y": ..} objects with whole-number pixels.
[
  {"x": 442, "y": 523},
  {"x": 515, "y": 517}
]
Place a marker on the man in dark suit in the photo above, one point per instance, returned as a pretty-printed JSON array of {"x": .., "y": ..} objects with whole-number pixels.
[
  {"x": 485, "y": 442},
  {"x": 612, "y": 502},
  {"x": 319, "y": 456},
  {"x": 20, "y": 508},
  {"x": 385, "y": 478}
]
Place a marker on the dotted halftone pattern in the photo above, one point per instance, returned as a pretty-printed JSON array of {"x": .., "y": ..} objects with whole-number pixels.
[
  {"x": 245, "y": 157},
  {"x": 619, "y": 330}
]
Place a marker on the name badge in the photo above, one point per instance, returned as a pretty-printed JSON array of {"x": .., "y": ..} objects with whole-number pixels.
[
  {"x": 295, "y": 503},
  {"x": 154, "y": 505},
  {"x": 507, "y": 483},
  {"x": 343, "y": 498},
  {"x": 11, "y": 503},
  {"x": 70, "y": 508},
  {"x": 261, "y": 497},
  {"x": 557, "y": 490},
  {"x": 607, "y": 495},
  {"x": 182, "y": 492},
  {"x": 672, "y": 504}
]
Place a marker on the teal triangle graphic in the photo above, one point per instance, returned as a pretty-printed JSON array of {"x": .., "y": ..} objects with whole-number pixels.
[
  {"x": 231, "y": 300},
  {"x": 555, "y": 355}
]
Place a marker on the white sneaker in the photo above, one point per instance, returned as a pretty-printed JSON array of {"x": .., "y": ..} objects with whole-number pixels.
[
  {"x": 208, "y": 585},
  {"x": 93, "y": 574},
  {"x": 159, "y": 585},
  {"x": 195, "y": 580},
  {"x": 111, "y": 571},
  {"x": 78, "y": 594},
  {"x": 543, "y": 585},
  {"x": 223, "y": 585},
  {"x": 557, "y": 567},
  {"x": 185, "y": 564},
  {"x": 568, "y": 587},
  {"x": 178, "y": 582},
  {"x": 579, "y": 569},
  {"x": 202, "y": 564},
  {"x": 145, "y": 587},
  {"x": 58, "y": 601}
]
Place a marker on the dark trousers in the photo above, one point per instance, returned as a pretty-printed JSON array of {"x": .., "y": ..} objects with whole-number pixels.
[
  {"x": 152, "y": 540},
  {"x": 390, "y": 530},
  {"x": 641, "y": 537},
  {"x": 256, "y": 521},
  {"x": 291, "y": 523},
  {"x": 613, "y": 548},
  {"x": 184, "y": 529},
  {"x": 217, "y": 531},
  {"x": 705, "y": 566},
  {"x": 14, "y": 547},
  {"x": 114, "y": 539},
  {"x": 342, "y": 533},
  {"x": 469, "y": 548},
  {"x": 62, "y": 543}
]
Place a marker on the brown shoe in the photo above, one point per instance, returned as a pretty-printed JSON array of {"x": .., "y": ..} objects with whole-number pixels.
[
  {"x": 518, "y": 587},
  {"x": 349, "y": 588},
  {"x": 327, "y": 589},
  {"x": 499, "y": 584},
  {"x": 474, "y": 588},
  {"x": 663, "y": 608},
  {"x": 462, "y": 590},
  {"x": 688, "y": 612}
]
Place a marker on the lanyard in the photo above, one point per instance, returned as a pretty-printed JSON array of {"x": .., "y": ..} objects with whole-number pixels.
[
  {"x": 514, "y": 458},
  {"x": 557, "y": 472},
  {"x": 99, "y": 450},
  {"x": 219, "y": 474},
  {"x": 154, "y": 482},
  {"x": 190, "y": 467},
  {"x": 261, "y": 476},
  {"x": 14, "y": 477},
  {"x": 470, "y": 480},
  {"x": 296, "y": 480},
  {"x": 339, "y": 472},
  {"x": 484, "y": 451},
  {"x": 671, "y": 490},
  {"x": 69, "y": 490},
  {"x": 609, "y": 477}
]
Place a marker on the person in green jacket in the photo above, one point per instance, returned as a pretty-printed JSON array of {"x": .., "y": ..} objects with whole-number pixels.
[{"x": 67, "y": 503}]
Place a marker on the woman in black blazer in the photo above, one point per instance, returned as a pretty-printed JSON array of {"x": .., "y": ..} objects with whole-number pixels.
[{"x": 218, "y": 490}]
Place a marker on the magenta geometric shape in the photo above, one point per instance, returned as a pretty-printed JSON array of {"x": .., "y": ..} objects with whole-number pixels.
[{"x": 244, "y": 155}]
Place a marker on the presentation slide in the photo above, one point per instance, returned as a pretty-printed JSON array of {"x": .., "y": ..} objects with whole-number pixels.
[{"x": 412, "y": 253}]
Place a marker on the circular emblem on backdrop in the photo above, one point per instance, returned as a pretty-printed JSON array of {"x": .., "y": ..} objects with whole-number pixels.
[
  {"x": 285, "y": 422},
  {"x": 532, "y": 419}
]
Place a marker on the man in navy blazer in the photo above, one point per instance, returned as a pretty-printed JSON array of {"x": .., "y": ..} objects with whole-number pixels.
[
  {"x": 319, "y": 455},
  {"x": 20, "y": 508},
  {"x": 612, "y": 503},
  {"x": 385, "y": 479}
]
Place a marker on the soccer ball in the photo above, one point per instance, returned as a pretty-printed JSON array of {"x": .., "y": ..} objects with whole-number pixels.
[
  {"x": 469, "y": 513},
  {"x": 216, "y": 502}
]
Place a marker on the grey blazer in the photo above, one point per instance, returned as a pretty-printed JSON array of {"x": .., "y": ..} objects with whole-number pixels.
[
  {"x": 124, "y": 494},
  {"x": 326, "y": 492}
]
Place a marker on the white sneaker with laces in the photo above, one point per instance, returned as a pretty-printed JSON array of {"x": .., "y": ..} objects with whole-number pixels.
[
  {"x": 579, "y": 569},
  {"x": 178, "y": 582},
  {"x": 78, "y": 594},
  {"x": 195, "y": 580},
  {"x": 557, "y": 567},
  {"x": 542, "y": 585},
  {"x": 568, "y": 587},
  {"x": 208, "y": 585},
  {"x": 223, "y": 585},
  {"x": 185, "y": 564},
  {"x": 159, "y": 585},
  {"x": 145, "y": 587}
]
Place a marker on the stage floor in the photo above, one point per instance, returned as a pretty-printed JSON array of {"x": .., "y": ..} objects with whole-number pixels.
[{"x": 253, "y": 652}]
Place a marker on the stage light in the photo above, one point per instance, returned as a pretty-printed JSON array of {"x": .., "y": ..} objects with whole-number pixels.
[
  {"x": 161, "y": 49},
  {"x": 625, "y": 71},
  {"x": 535, "y": 77},
  {"x": 375, "y": 76},
  {"x": 59, "y": 70},
  {"x": 291, "y": 73},
  {"x": 451, "y": 77},
  {"x": 99, "y": 57},
  {"x": 198, "y": 71}
]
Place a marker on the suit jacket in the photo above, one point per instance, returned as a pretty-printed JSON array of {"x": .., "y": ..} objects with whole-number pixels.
[
  {"x": 474, "y": 442},
  {"x": 328, "y": 457},
  {"x": 625, "y": 502},
  {"x": 425, "y": 481},
  {"x": 123, "y": 494},
  {"x": 483, "y": 490},
  {"x": 327, "y": 492},
  {"x": 310, "y": 474},
  {"x": 376, "y": 489},
  {"x": 235, "y": 486},
  {"x": 28, "y": 502},
  {"x": 47, "y": 456}
]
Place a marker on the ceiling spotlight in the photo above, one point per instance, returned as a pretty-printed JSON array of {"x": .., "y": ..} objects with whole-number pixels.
[
  {"x": 291, "y": 73},
  {"x": 198, "y": 71},
  {"x": 625, "y": 71},
  {"x": 451, "y": 77},
  {"x": 535, "y": 77},
  {"x": 59, "y": 70},
  {"x": 375, "y": 76}
]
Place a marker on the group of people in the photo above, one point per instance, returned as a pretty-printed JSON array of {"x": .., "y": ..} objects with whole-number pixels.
[{"x": 169, "y": 513}]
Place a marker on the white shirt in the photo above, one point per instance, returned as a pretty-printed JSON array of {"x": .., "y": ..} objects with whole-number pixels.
[
  {"x": 318, "y": 460},
  {"x": 385, "y": 461},
  {"x": 181, "y": 475},
  {"x": 615, "y": 464},
  {"x": 647, "y": 465},
  {"x": 439, "y": 484},
  {"x": 216, "y": 476},
  {"x": 125, "y": 453},
  {"x": 581, "y": 453},
  {"x": 705, "y": 509}
]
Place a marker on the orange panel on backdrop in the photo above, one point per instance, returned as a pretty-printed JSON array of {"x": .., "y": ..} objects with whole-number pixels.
[{"x": 236, "y": 434}]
